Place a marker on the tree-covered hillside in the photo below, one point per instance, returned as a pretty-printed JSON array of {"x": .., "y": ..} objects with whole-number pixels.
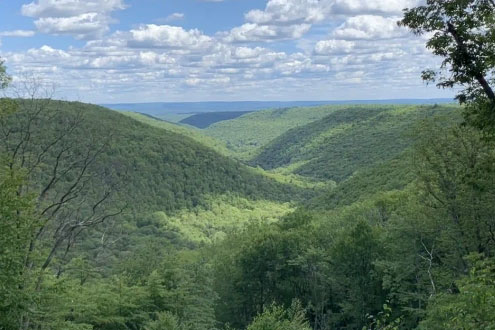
[
  {"x": 246, "y": 134},
  {"x": 345, "y": 141},
  {"x": 283, "y": 176},
  {"x": 185, "y": 130},
  {"x": 163, "y": 170}
]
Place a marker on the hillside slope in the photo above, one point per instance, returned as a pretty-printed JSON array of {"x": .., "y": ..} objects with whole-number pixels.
[
  {"x": 162, "y": 170},
  {"x": 189, "y": 131},
  {"x": 347, "y": 140},
  {"x": 244, "y": 135}
]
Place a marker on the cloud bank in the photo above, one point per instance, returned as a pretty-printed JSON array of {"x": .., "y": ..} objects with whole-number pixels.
[{"x": 291, "y": 49}]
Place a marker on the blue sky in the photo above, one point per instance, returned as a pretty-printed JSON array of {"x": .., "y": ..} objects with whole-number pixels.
[{"x": 105, "y": 51}]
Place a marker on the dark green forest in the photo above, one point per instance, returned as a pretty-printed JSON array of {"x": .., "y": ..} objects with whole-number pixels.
[
  {"x": 378, "y": 217},
  {"x": 203, "y": 120}
]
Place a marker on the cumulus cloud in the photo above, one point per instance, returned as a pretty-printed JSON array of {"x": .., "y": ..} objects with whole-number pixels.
[
  {"x": 370, "y": 27},
  {"x": 250, "y": 32},
  {"x": 285, "y": 12},
  {"x": 167, "y": 36},
  {"x": 83, "y": 19},
  {"x": 84, "y": 26},
  {"x": 281, "y": 20},
  {"x": 68, "y": 8},
  {"x": 325, "y": 47},
  {"x": 360, "y": 7},
  {"x": 291, "y": 19}
]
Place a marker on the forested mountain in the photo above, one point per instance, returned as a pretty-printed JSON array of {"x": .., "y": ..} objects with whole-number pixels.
[
  {"x": 345, "y": 141},
  {"x": 163, "y": 170},
  {"x": 186, "y": 130},
  {"x": 249, "y": 132}
]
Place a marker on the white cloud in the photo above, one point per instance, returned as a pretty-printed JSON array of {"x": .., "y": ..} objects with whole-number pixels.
[
  {"x": 170, "y": 18},
  {"x": 86, "y": 19},
  {"x": 287, "y": 12},
  {"x": 68, "y": 8},
  {"x": 167, "y": 36},
  {"x": 360, "y": 7},
  {"x": 250, "y": 32},
  {"x": 246, "y": 52},
  {"x": 370, "y": 27},
  {"x": 281, "y": 20},
  {"x": 83, "y": 26},
  {"x": 325, "y": 47},
  {"x": 291, "y": 19}
]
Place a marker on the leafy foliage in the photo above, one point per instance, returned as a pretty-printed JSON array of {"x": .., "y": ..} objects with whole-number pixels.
[
  {"x": 276, "y": 318},
  {"x": 16, "y": 228},
  {"x": 4, "y": 77},
  {"x": 472, "y": 307},
  {"x": 183, "y": 130},
  {"x": 463, "y": 34}
]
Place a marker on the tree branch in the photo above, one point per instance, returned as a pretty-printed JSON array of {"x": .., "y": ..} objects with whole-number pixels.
[{"x": 468, "y": 62}]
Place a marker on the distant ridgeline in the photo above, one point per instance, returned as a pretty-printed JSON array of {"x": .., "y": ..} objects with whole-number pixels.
[
  {"x": 159, "y": 108},
  {"x": 180, "y": 111},
  {"x": 203, "y": 120}
]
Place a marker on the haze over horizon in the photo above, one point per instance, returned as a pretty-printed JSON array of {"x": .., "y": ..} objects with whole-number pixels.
[{"x": 120, "y": 51}]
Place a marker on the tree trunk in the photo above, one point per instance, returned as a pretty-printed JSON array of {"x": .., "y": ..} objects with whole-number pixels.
[{"x": 468, "y": 62}]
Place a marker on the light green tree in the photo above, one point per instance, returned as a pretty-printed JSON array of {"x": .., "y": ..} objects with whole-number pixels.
[
  {"x": 5, "y": 79},
  {"x": 16, "y": 226},
  {"x": 15, "y": 232},
  {"x": 277, "y": 318},
  {"x": 164, "y": 321}
]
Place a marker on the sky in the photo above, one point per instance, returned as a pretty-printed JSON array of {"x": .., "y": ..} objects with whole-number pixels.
[{"x": 117, "y": 51}]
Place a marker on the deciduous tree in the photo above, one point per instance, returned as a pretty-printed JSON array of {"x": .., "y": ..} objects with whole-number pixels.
[{"x": 462, "y": 32}]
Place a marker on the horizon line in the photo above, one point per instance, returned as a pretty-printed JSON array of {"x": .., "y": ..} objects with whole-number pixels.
[{"x": 292, "y": 101}]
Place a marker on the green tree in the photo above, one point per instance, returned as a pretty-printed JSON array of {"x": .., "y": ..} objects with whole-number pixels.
[
  {"x": 5, "y": 79},
  {"x": 182, "y": 286},
  {"x": 354, "y": 257},
  {"x": 456, "y": 171},
  {"x": 260, "y": 266},
  {"x": 463, "y": 33},
  {"x": 16, "y": 227},
  {"x": 472, "y": 306},
  {"x": 164, "y": 321},
  {"x": 278, "y": 318}
]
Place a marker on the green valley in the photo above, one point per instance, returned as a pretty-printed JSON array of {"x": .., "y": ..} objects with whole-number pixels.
[{"x": 247, "y": 133}]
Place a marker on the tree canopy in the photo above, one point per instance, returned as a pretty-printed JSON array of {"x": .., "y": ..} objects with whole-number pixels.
[{"x": 463, "y": 33}]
